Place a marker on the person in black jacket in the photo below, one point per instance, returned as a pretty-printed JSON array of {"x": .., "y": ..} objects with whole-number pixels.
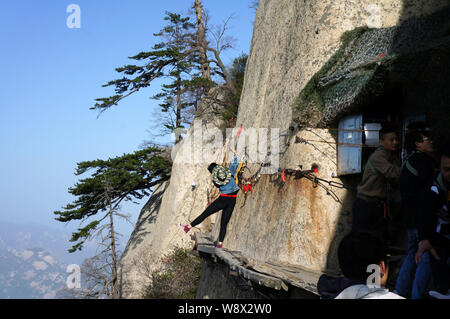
[
  {"x": 434, "y": 233},
  {"x": 417, "y": 175}
]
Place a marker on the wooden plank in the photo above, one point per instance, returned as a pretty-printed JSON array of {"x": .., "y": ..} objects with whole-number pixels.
[
  {"x": 208, "y": 249},
  {"x": 300, "y": 278},
  {"x": 204, "y": 244},
  {"x": 268, "y": 274},
  {"x": 202, "y": 239},
  {"x": 228, "y": 258},
  {"x": 261, "y": 279},
  {"x": 298, "y": 268}
]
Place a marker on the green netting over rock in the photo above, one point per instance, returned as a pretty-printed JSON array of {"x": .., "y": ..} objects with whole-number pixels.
[{"x": 366, "y": 62}]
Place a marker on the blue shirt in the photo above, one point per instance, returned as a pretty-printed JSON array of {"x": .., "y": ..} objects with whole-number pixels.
[{"x": 231, "y": 186}]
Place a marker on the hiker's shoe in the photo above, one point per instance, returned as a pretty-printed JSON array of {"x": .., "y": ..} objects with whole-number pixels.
[
  {"x": 219, "y": 246},
  {"x": 185, "y": 228},
  {"x": 438, "y": 295}
]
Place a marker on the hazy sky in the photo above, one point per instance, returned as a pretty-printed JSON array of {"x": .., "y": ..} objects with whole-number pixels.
[{"x": 52, "y": 74}]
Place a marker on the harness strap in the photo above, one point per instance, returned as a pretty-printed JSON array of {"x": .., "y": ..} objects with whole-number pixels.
[
  {"x": 409, "y": 166},
  {"x": 237, "y": 172},
  {"x": 411, "y": 169},
  {"x": 226, "y": 195},
  {"x": 440, "y": 182},
  {"x": 405, "y": 163}
]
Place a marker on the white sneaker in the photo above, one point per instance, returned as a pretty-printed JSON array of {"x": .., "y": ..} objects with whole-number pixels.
[{"x": 438, "y": 295}]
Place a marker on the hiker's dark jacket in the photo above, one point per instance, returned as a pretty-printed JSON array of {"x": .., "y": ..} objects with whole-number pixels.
[
  {"x": 382, "y": 167},
  {"x": 436, "y": 218},
  {"x": 413, "y": 183}
]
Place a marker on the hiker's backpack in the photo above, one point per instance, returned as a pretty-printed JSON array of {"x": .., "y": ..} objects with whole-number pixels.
[{"x": 225, "y": 169}]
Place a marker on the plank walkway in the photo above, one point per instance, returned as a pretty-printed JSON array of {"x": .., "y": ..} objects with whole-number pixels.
[{"x": 270, "y": 274}]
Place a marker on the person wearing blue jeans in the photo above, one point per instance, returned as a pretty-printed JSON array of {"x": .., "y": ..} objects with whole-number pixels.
[
  {"x": 435, "y": 232},
  {"x": 416, "y": 176},
  {"x": 411, "y": 274}
]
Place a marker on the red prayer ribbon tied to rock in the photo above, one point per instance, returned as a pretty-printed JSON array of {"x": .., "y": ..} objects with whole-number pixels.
[{"x": 248, "y": 186}]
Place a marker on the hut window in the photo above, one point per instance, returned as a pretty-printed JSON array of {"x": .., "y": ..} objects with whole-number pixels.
[
  {"x": 350, "y": 145},
  {"x": 371, "y": 134}
]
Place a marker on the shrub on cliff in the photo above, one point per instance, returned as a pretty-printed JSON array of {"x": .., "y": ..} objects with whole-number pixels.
[{"x": 178, "y": 277}]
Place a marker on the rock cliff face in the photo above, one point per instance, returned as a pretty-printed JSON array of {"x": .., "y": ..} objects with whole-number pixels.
[
  {"x": 177, "y": 201},
  {"x": 290, "y": 223}
]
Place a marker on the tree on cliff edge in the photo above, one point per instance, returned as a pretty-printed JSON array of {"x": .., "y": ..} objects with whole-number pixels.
[
  {"x": 115, "y": 180},
  {"x": 182, "y": 51}
]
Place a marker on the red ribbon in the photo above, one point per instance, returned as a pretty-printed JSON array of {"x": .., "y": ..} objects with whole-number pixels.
[{"x": 247, "y": 187}]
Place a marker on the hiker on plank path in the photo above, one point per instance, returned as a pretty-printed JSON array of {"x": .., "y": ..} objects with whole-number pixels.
[{"x": 224, "y": 179}]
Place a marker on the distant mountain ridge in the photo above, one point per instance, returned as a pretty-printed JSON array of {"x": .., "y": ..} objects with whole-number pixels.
[
  {"x": 34, "y": 259},
  {"x": 30, "y": 274},
  {"x": 22, "y": 236}
]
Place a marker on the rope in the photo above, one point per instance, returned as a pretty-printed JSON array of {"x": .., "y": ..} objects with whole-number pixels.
[
  {"x": 302, "y": 140},
  {"x": 323, "y": 139},
  {"x": 330, "y": 192},
  {"x": 308, "y": 174},
  {"x": 246, "y": 183}
]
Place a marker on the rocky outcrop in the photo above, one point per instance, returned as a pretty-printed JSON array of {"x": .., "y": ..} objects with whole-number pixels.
[
  {"x": 177, "y": 201},
  {"x": 294, "y": 222}
]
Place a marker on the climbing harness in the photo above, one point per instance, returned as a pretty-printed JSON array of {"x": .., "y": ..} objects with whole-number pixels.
[
  {"x": 237, "y": 172},
  {"x": 246, "y": 183},
  {"x": 226, "y": 195}
]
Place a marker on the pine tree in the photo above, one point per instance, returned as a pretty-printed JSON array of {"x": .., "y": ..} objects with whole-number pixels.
[
  {"x": 183, "y": 50},
  {"x": 201, "y": 40},
  {"x": 176, "y": 102},
  {"x": 115, "y": 180},
  {"x": 118, "y": 179}
]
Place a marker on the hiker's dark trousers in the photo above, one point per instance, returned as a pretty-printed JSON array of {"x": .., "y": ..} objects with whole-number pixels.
[
  {"x": 439, "y": 268},
  {"x": 227, "y": 206},
  {"x": 368, "y": 217}
]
